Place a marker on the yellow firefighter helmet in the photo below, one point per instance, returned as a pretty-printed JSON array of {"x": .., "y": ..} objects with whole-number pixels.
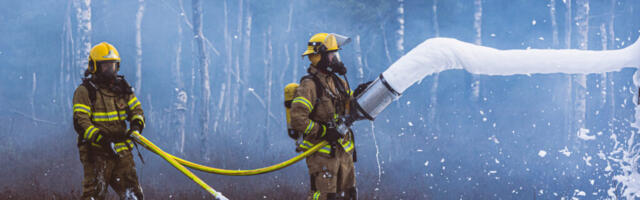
[
  {"x": 322, "y": 43},
  {"x": 103, "y": 52},
  {"x": 325, "y": 42}
]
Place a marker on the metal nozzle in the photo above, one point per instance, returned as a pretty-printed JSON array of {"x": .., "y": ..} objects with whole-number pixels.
[{"x": 375, "y": 98}]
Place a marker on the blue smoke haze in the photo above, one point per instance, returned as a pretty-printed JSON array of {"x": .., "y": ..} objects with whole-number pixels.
[{"x": 511, "y": 142}]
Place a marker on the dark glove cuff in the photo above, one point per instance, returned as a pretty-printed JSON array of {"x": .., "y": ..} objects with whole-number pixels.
[
  {"x": 102, "y": 139},
  {"x": 135, "y": 127}
]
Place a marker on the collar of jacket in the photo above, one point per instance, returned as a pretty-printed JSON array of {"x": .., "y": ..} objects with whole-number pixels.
[
  {"x": 105, "y": 91},
  {"x": 325, "y": 79},
  {"x": 315, "y": 71}
]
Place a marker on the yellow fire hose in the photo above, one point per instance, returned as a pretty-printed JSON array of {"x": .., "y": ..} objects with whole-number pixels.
[
  {"x": 179, "y": 162},
  {"x": 185, "y": 171},
  {"x": 250, "y": 172}
]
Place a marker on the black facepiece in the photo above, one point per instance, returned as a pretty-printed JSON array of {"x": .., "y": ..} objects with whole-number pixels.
[
  {"x": 107, "y": 72},
  {"x": 333, "y": 66}
]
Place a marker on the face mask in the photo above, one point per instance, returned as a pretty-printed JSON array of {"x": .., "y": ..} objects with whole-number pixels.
[
  {"x": 107, "y": 72},
  {"x": 333, "y": 64},
  {"x": 337, "y": 67}
]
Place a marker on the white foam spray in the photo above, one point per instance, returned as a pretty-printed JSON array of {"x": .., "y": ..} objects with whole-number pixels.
[{"x": 440, "y": 54}]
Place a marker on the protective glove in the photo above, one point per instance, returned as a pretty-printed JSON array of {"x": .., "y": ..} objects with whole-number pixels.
[
  {"x": 331, "y": 135},
  {"x": 361, "y": 88},
  {"x": 137, "y": 125},
  {"x": 102, "y": 139},
  {"x": 130, "y": 132},
  {"x": 293, "y": 134}
]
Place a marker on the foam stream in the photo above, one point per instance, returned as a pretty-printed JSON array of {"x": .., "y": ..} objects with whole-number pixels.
[{"x": 440, "y": 54}]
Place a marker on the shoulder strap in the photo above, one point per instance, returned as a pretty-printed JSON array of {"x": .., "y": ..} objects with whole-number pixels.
[
  {"x": 318, "y": 84},
  {"x": 91, "y": 88},
  {"x": 123, "y": 87},
  {"x": 340, "y": 85}
]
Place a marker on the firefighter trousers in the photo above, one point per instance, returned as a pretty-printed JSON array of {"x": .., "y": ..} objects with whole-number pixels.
[
  {"x": 102, "y": 170},
  {"x": 332, "y": 177}
]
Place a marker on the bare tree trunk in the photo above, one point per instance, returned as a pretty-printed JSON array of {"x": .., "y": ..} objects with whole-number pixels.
[
  {"x": 246, "y": 49},
  {"x": 193, "y": 76},
  {"x": 203, "y": 59},
  {"x": 400, "y": 32},
  {"x": 34, "y": 85},
  {"x": 436, "y": 26},
  {"x": 568, "y": 118},
  {"x": 83, "y": 18},
  {"x": 238, "y": 81},
  {"x": 582, "y": 22},
  {"x": 477, "y": 21},
  {"x": 568, "y": 22},
  {"x": 612, "y": 17},
  {"x": 192, "y": 92},
  {"x": 296, "y": 65},
  {"x": 216, "y": 124},
  {"x": 612, "y": 39},
  {"x": 359, "y": 60},
  {"x": 433, "y": 107},
  {"x": 180, "y": 103},
  {"x": 177, "y": 71},
  {"x": 228, "y": 44},
  {"x": 604, "y": 76},
  {"x": 285, "y": 46},
  {"x": 224, "y": 105},
  {"x": 287, "y": 63},
  {"x": 268, "y": 59},
  {"x": 554, "y": 23},
  {"x": 67, "y": 66},
  {"x": 81, "y": 51},
  {"x": 477, "y": 25},
  {"x": 386, "y": 45},
  {"x": 139, "y": 15}
]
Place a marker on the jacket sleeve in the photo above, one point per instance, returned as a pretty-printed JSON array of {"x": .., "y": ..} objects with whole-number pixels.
[
  {"x": 82, "y": 116},
  {"x": 135, "y": 109},
  {"x": 301, "y": 107}
]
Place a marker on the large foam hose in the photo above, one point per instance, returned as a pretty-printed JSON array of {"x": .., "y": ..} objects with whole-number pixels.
[
  {"x": 149, "y": 145},
  {"x": 169, "y": 158}
]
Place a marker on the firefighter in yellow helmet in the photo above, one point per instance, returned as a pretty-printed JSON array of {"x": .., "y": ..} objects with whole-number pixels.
[
  {"x": 318, "y": 103},
  {"x": 102, "y": 106}
]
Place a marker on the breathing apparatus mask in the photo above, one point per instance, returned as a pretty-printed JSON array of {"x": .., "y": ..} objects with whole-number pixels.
[
  {"x": 331, "y": 62},
  {"x": 106, "y": 72}
]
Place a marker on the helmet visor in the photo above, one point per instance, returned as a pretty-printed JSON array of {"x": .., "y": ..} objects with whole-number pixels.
[
  {"x": 341, "y": 39},
  {"x": 108, "y": 68},
  {"x": 334, "y": 57}
]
